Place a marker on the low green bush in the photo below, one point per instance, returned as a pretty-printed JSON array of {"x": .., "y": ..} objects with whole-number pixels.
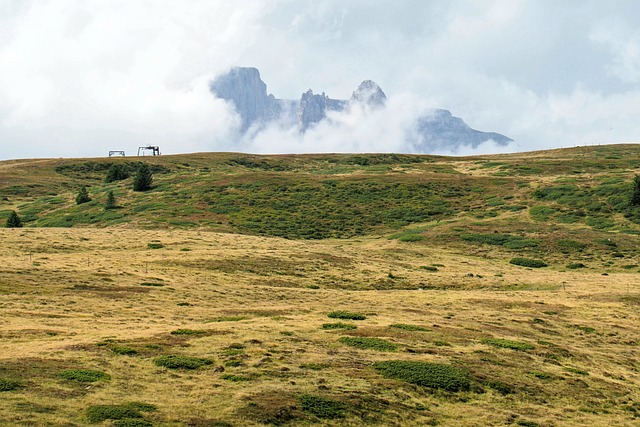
[
  {"x": 99, "y": 413},
  {"x": 132, "y": 422},
  {"x": 432, "y": 375},
  {"x": 338, "y": 325},
  {"x": 511, "y": 344},
  {"x": 123, "y": 350},
  {"x": 429, "y": 268},
  {"x": 341, "y": 314},
  {"x": 322, "y": 407},
  {"x": 84, "y": 375},
  {"x": 528, "y": 262},
  {"x": 413, "y": 328},
  {"x": 188, "y": 332},
  {"x": 155, "y": 245},
  {"x": 575, "y": 265},
  {"x": 369, "y": 343},
  {"x": 508, "y": 241},
  {"x": 411, "y": 238},
  {"x": 235, "y": 378},
  {"x": 8, "y": 385},
  {"x": 152, "y": 284},
  {"x": 177, "y": 361}
]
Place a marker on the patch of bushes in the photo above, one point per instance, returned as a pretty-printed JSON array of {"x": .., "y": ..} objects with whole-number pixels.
[
  {"x": 322, "y": 407},
  {"x": 432, "y": 375},
  {"x": 413, "y": 328},
  {"x": 338, "y": 325},
  {"x": 188, "y": 332},
  {"x": 528, "y": 262},
  {"x": 575, "y": 370},
  {"x": 369, "y": 343},
  {"x": 123, "y": 350},
  {"x": 155, "y": 245},
  {"x": 341, "y": 314},
  {"x": 176, "y": 361},
  {"x": 235, "y": 378},
  {"x": 8, "y": 385},
  {"x": 132, "y": 422},
  {"x": 99, "y": 413},
  {"x": 508, "y": 241},
  {"x": 411, "y": 238},
  {"x": 575, "y": 265},
  {"x": 84, "y": 375},
  {"x": 511, "y": 344},
  {"x": 585, "y": 329}
]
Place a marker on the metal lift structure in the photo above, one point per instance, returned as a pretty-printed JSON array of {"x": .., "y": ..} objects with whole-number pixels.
[{"x": 154, "y": 149}]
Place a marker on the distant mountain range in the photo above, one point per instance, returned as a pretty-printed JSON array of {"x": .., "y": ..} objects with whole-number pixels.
[{"x": 437, "y": 130}]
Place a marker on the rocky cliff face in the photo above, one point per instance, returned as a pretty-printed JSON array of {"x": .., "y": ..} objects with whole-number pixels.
[{"x": 439, "y": 130}]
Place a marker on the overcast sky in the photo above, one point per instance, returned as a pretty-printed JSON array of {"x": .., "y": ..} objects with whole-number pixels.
[{"x": 82, "y": 77}]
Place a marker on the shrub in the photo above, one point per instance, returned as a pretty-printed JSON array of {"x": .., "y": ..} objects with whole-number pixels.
[
  {"x": 503, "y": 343},
  {"x": 158, "y": 285},
  {"x": 635, "y": 196},
  {"x": 99, "y": 413},
  {"x": 575, "y": 265},
  {"x": 235, "y": 378},
  {"x": 123, "y": 350},
  {"x": 369, "y": 343},
  {"x": 413, "y": 328},
  {"x": 83, "y": 196},
  {"x": 508, "y": 241},
  {"x": 346, "y": 315},
  {"x": 143, "y": 179},
  {"x": 13, "y": 220},
  {"x": 116, "y": 173},
  {"x": 111, "y": 201},
  {"x": 84, "y": 375},
  {"x": 432, "y": 375},
  {"x": 188, "y": 332},
  {"x": 527, "y": 262},
  {"x": 338, "y": 325},
  {"x": 411, "y": 238},
  {"x": 176, "y": 361},
  {"x": 155, "y": 245},
  {"x": 429, "y": 268},
  {"x": 322, "y": 407},
  {"x": 8, "y": 385},
  {"x": 132, "y": 422}
]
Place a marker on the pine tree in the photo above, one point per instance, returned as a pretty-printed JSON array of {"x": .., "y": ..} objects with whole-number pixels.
[
  {"x": 111, "y": 201},
  {"x": 83, "y": 196},
  {"x": 116, "y": 173},
  {"x": 14, "y": 221},
  {"x": 635, "y": 197},
  {"x": 143, "y": 179}
]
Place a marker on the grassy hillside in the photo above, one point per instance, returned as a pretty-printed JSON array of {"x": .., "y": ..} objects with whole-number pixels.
[{"x": 342, "y": 290}]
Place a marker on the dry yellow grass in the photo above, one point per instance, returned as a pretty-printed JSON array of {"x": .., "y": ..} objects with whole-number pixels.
[{"x": 68, "y": 295}]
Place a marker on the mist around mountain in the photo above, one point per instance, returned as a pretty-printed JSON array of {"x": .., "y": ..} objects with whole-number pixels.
[{"x": 367, "y": 118}]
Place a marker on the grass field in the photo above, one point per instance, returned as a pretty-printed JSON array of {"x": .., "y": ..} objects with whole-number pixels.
[{"x": 193, "y": 313}]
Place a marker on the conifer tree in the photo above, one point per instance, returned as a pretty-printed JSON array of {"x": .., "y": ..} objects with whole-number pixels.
[
  {"x": 116, "y": 173},
  {"x": 143, "y": 179},
  {"x": 83, "y": 196},
  {"x": 635, "y": 197},
  {"x": 111, "y": 201},
  {"x": 14, "y": 221}
]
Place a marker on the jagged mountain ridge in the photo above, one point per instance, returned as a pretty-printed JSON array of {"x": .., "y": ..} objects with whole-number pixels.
[{"x": 242, "y": 86}]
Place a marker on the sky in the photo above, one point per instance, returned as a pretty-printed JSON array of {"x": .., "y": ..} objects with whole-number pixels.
[{"x": 81, "y": 77}]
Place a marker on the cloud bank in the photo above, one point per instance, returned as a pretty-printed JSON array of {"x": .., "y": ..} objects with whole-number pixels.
[{"x": 82, "y": 77}]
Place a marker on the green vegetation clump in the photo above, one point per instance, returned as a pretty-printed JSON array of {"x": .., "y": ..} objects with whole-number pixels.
[
  {"x": 506, "y": 240},
  {"x": 84, "y": 375},
  {"x": 322, "y": 407},
  {"x": 154, "y": 284},
  {"x": 429, "y": 268},
  {"x": 228, "y": 319},
  {"x": 176, "y": 361},
  {"x": 188, "y": 332},
  {"x": 143, "y": 179},
  {"x": 13, "y": 220},
  {"x": 413, "y": 328},
  {"x": 8, "y": 385},
  {"x": 155, "y": 245},
  {"x": 528, "y": 262},
  {"x": 575, "y": 265},
  {"x": 411, "y": 238},
  {"x": 83, "y": 196},
  {"x": 341, "y": 314},
  {"x": 235, "y": 378},
  {"x": 132, "y": 422},
  {"x": 338, "y": 325},
  {"x": 111, "y": 201},
  {"x": 123, "y": 350},
  {"x": 369, "y": 343},
  {"x": 126, "y": 413},
  {"x": 511, "y": 344},
  {"x": 116, "y": 172},
  {"x": 432, "y": 375}
]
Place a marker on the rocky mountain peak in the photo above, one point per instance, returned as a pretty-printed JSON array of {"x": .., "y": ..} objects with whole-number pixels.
[{"x": 369, "y": 93}]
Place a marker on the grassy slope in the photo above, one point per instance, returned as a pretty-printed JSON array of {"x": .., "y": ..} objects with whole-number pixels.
[{"x": 261, "y": 301}]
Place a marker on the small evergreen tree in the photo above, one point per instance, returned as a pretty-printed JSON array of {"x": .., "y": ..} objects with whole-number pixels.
[
  {"x": 635, "y": 197},
  {"x": 111, "y": 201},
  {"x": 14, "y": 221},
  {"x": 83, "y": 196},
  {"x": 117, "y": 173},
  {"x": 143, "y": 179}
]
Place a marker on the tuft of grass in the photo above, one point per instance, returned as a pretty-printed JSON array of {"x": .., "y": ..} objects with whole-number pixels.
[
  {"x": 338, "y": 325},
  {"x": 155, "y": 245},
  {"x": 152, "y": 284},
  {"x": 432, "y": 375},
  {"x": 528, "y": 262},
  {"x": 341, "y": 314},
  {"x": 575, "y": 370},
  {"x": 322, "y": 407},
  {"x": 369, "y": 343},
  {"x": 510, "y": 344},
  {"x": 188, "y": 332},
  {"x": 413, "y": 328},
  {"x": 585, "y": 329},
  {"x": 228, "y": 319},
  {"x": 429, "y": 268},
  {"x": 575, "y": 265},
  {"x": 177, "y": 361},
  {"x": 8, "y": 385},
  {"x": 235, "y": 378},
  {"x": 84, "y": 375}
]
